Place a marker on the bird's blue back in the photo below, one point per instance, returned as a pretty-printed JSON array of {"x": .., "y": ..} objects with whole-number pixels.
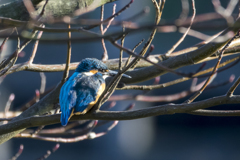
[{"x": 78, "y": 92}]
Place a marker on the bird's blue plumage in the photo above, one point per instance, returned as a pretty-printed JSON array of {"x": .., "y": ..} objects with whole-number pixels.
[{"x": 82, "y": 89}]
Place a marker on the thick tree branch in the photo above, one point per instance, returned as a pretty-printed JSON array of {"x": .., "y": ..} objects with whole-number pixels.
[
  {"x": 119, "y": 115},
  {"x": 57, "y": 9}
]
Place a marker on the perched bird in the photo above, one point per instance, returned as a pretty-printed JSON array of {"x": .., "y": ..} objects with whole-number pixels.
[{"x": 82, "y": 90}]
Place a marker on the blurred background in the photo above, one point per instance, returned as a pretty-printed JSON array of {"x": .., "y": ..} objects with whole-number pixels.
[{"x": 169, "y": 137}]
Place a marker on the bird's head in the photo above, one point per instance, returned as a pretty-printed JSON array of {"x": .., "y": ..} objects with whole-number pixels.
[{"x": 93, "y": 66}]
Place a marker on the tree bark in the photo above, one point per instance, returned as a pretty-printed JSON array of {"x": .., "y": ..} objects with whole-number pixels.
[{"x": 55, "y": 8}]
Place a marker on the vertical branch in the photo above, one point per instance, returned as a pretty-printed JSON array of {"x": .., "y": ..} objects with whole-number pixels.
[
  {"x": 103, "y": 31},
  {"x": 43, "y": 82},
  {"x": 35, "y": 47},
  {"x": 110, "y": 21},
  {"x": 121, "y": 50},
  {"x": 101, "y": 18},
  {"x": 238, "y": 8},
  {"x": 186, "y": 32},
  {"x": 66, "y": 71},
  {"x": 159, "y": 9},
  {"x": 8, "y": 105},
  {"x": 105, "y": 53},
  {"x": 129, "y": 58},
  {"x": 185, "y": 10}
]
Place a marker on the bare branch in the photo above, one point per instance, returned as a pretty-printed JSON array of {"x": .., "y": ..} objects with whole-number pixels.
[
  {"x": 233, "y": 87},
  {"x": 35, "y": 47},
  {"x": 113, "y": 16},
  {"x": 222, "y": 113},
  {"x": 45, "y": 156},
  {"x": 18, "y": 153},
  {"x": 213, "y": 72},
  {"x": 120, "y": 115},
  {"x": 185, "y": 34},
  {"x": 43, "y": 83},
  {"x": 66, "y": 71}
]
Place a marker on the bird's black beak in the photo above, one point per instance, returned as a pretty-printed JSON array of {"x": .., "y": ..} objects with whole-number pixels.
[{"x": 113, "y": 73}]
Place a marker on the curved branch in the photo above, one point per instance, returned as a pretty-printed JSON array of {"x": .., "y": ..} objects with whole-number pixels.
[
  {"x": 120, "y": 115},
  {"x": 111, "y": 63}
]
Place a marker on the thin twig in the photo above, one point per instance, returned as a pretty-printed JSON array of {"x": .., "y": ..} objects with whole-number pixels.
[
  {"x": 167, "y": 84},
  {"x": 109, "y": 18},
  {"x": 159, "y": 9},
  {"x": 7, "y": 64},
  {"x": 18, "y": 153},
  {"x": 166, "y": 98},
  {"x": 43, "y": 82},
  {"x": 8, "y": 105},
  {"x": 233, "y": 87},
  {"x": 42, "y": 11},
  {"x": 45, "y": 156},
  {"x": 185, "y": 34},
  {"x": 91, "y": 135},
  {"x": 35, "y": 47},
  {"x": 129, "y": 58},
  {"x": 121, "y": 51},
  {"x": 103, "y": 31},
  {"x": 110, "y": 21},
  {"x": 105, "y": 53},
  {"x": 160, "y": 66},
  {"x": 191, "y": 99},
  {"x": 66, "y": 71}
]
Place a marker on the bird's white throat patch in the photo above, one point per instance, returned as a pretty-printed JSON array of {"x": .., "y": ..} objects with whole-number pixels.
[
  {"x": 88, "y": 73},
  {"x": 91, "y": 74},
  {"x": 105, "y": 76}
]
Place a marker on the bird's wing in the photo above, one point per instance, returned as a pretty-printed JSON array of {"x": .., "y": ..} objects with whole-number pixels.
[
  {"x": 79, "y": 94},
  {"x": 67, "y": 98},
  {"x": 84, "y": 98}
]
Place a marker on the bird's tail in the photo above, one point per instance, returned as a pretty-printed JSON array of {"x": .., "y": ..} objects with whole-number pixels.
[{"x": 65, "y": 116}]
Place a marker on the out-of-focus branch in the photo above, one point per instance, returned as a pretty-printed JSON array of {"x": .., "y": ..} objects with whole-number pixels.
[
  {"x": 90, "y": 135},
  {"x": 112, "y": 63},
  {"x": 42, "y": 107},
  {"x": 68, "y": 59},
  {"x": 6, "y": 65},
  {"x": 18, "y": 153},
  {"x": 45, "y": 156}
]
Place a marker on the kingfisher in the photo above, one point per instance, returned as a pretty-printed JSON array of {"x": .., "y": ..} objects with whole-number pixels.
[{"x": 83, "y": 89}]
